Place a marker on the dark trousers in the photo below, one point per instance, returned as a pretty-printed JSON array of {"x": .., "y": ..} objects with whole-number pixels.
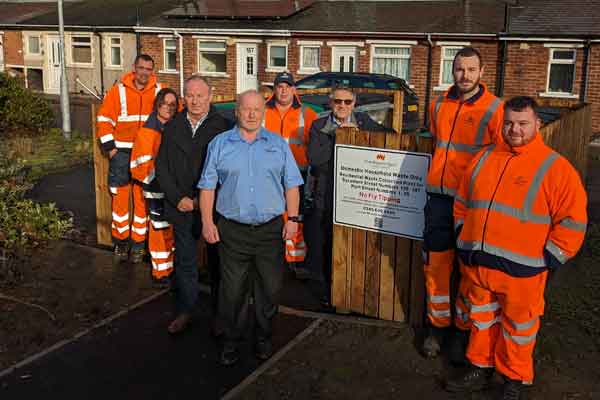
[
  {"x": 252, "y": 260},
  {"x": 318, "y": 234},
  {"x": 186, "y": 234}
]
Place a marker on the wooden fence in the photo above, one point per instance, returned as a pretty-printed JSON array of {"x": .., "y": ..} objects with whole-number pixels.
[{"x": 570, "y": 135}]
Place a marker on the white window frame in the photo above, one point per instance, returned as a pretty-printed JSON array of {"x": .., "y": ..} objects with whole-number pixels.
[
  {"x": 303, "y": 69},
  {"x": 165, "y": 69},
  {"x": 441, "y": 85},
  {"x": 39, "y": 38},
  {"x": 271, "y": 68},
  {"x": 72, "y": 62},
  {"x": 199, "y": 49},
  {"x": 396, "y": 46},
  {"x": 551, "y": 61},
  {"x": 108, "y": 53}
]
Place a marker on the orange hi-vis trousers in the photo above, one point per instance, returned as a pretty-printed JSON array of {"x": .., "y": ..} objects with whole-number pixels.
[
  {"x": 160, "y": 246},
  {"x": 120, "y": 213},
  {"x": 295, "y": 248},
  {"x": 438, "y": 269},
  {"x": 505, "y": 314}
]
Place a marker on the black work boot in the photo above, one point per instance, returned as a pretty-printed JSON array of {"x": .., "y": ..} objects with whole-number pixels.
[
  {"x": 457, "y": 350},
  {"x": 473, "y": 380},
  {"x": 263, "y": 349},
  {"x": 121, "y": 252},
  {"x": 434, "y": 338},
  {"x": 512, "y": 389}
]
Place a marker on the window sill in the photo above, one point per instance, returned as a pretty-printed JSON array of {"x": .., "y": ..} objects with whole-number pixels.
[
  {"x": 168, "y": 72},
  {"x": 559, "y": 95},
  {"x": 215, "y": 74},
  {"x": 276, "y": 69},
  {"x": 308, "y": 71},
  {"x": 80, "y": 65},
  {"x": 114, "y": 67},
  {"x": 441, "y": 88}
]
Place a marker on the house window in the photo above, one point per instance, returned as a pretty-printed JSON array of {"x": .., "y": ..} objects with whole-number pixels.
[
  {"x": 81, "y": 49},
  {"x": 212, "y": 57},
  {"x": 277, "y": 56},
  {"x": 392, "y": 60},
  {"x": 561, "y": 71},
  {"x": 170, "y": 54},
  {"x": 115, "y": 52},
  {"x": 448, "y": 54},
  {"x": 309, "y": 58},
  {"x": 33, "y": 45}
]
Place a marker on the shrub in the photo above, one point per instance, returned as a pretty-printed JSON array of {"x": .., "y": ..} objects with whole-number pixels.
[
  {"x": 24, "y": 223},
  {"x": 22, "y": 111}
]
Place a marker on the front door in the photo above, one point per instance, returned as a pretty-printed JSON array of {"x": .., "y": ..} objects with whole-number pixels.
[
  {"x": 53, "y": 60},
  {"x": 247, "y": 63},
  {"x": 344, "y": 59}
]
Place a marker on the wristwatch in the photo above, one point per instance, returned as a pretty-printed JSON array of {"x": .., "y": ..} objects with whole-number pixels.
[{"x": 296, "y": 218}]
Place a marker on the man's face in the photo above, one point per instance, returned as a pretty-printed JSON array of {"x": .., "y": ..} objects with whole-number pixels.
[
  {"x": 167, "y": 108},
  {"x": 520, "y": 127},
  {"x": 467, "y": 72},
  {"x": 342, "y": 104},
  {"x": 197, "y": 98},
  {"x": 250, "y": 111},
  {"x": 284, "y": 94},
  {"x": 143, "y": 70}
]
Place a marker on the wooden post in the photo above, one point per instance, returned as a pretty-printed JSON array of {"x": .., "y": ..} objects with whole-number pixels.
[{"x": 103, "y": 200}]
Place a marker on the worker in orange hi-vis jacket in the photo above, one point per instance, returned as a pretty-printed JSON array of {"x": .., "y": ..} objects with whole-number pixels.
[
  {"x": 466, "y": 118},
  {"x": 286, "y": 116},
  {"x": 143, "y": 155},
  {"x": 124, "y": 110},
  {"x": 520, "y": 211}
]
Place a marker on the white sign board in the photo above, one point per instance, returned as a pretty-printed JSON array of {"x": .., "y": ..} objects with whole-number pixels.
[{"x": 380, "y": 190}]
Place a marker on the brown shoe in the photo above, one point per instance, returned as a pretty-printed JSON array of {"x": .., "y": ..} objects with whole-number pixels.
[{"x": 179, "y": 324}]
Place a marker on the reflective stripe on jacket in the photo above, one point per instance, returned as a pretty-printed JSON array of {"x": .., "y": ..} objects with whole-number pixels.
[
  {"x": 461, "y": 130},
  {"x": 123, "y": 112},
  {"x": 525, "y": 204},
  {"x": 293, "y": 126}
]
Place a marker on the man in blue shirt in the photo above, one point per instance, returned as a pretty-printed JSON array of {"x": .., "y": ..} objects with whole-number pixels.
[{"x": 258, "y": 180}]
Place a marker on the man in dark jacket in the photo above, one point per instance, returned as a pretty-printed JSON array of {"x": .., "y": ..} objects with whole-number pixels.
[
  {"x": 319, "y": 222},
  {"x": 178, "y": 167}
]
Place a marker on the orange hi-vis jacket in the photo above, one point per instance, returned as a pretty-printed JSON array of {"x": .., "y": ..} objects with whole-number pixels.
[
  {"x": 523, "y": 206},
  {"x": 293, "y": 126},
  {"x": 124, "y": 111},
  {"x": 461, "y": 129},
  {"x": 142, "y": 166}
]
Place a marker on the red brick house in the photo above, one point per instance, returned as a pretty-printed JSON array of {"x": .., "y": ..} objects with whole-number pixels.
[{"x": 530, "y": 47}]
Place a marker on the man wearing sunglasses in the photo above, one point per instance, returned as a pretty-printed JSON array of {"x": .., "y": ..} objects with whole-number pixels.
[{"x": 319, "y": 223}]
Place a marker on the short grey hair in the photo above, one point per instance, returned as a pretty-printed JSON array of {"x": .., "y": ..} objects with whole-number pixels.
[
  {"x": 245, "y": 93},
  {"x": 196, "y": 77},
  {"x": 344, "y": 88}
]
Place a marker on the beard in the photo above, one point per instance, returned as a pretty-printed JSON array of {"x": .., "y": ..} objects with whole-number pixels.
[{"x": 468, "y": 89}]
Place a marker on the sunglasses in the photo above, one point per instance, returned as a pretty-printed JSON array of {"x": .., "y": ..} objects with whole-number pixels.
[{"x": 345, "y": 101}]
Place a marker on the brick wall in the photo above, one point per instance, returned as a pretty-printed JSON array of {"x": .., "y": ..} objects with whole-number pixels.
[
  {"x": 593, "y": 86},
  {"x": 13, "y": 47}
]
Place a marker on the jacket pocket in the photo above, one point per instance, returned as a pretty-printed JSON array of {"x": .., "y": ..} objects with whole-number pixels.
[{"x": 118, "y": 169}]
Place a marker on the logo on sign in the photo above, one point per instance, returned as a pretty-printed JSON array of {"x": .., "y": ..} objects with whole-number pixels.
[{"x": 381, "y": 156}]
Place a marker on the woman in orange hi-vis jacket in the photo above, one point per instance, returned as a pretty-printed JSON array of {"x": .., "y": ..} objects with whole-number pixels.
[
  {"x": 520, "y": 210},
  {"x": 124, "y": 110},
  {"x": 143, "y": 154}
]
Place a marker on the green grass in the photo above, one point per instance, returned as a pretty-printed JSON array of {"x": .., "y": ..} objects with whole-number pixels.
[{"x": 51, "y": 153}]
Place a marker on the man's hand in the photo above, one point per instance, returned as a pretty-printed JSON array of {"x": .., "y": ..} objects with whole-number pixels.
[
  {"x": 185, "y": 204},
  {"x": 210, "y": 233},
  {"x": 112, "y": 153},
  {"x": 289, "y": 230},
  {"x": 348, "y": 125}
]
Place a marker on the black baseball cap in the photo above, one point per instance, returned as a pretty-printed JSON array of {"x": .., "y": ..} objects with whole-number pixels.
[{"x": 284, "y": 77}]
